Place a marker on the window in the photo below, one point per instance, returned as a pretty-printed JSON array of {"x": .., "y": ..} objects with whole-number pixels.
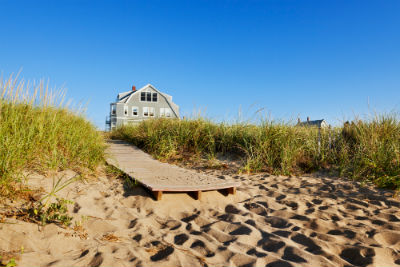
[
  {"x": 113, "y": 110},
  {"x": 148, "y": 97},
  {"x": 165, "y": 112},
  {"x": 145, "y": 111},
  {"x": 126, "y": 110},
  {"x": 135, "y": 111},
  {"x": 151, "y": 111}
]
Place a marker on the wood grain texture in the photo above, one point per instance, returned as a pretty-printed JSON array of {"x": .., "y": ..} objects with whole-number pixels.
[{"x": 163, "y": 177}]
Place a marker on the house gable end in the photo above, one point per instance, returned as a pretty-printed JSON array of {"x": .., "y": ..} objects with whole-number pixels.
[{"x": 151, "y": 88}]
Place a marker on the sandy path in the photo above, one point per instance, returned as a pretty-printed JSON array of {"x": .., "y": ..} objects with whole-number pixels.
[{"x": 271, "y": 221}]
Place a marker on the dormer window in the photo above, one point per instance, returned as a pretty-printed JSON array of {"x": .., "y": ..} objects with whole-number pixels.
[{"x": 148, "y": 97}]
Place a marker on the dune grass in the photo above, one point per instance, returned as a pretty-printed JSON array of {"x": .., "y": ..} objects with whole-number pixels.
[
  {"x": 39, "y": 133},
  {"x": 365, "y": 150}
]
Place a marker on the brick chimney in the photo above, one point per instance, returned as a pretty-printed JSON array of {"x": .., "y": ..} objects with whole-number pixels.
[
  {"x": 133, "y": 88},
  {"x": 308, "y": 119}
]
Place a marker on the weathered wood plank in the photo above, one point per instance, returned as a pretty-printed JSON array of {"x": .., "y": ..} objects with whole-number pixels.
[
  {"x": 161, "y": 177},
  {"x": 232, "y": 190},
  {"x": 157, "y": 195},
  {"x": 197, "y": 195}
]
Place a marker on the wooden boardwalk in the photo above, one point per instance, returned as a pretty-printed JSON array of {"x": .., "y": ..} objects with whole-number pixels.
[{"x": 161, "y": 177}]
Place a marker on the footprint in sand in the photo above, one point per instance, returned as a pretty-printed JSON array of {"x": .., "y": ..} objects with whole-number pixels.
[
  {"x": 200, "y": 247},
  {"x": 308, "y": 242},
  {"x": 389, "y": 239},
  {"x": 97, "y": 260},
  {"x": 180, "y": 239},
  {"x": 289, "y": 254},
  {"x": 357, "y": 256},
  {"x": 242, "y": 230},
  {"x": 254, "y": 252},
  {"x": 278, "y": 222},
  {"x": 162, "y": 254}
]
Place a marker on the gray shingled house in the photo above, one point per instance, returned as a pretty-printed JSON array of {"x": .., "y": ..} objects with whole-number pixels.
[
  {"x": 321, "y": 124},
  {"x": 138, "y": 105}
]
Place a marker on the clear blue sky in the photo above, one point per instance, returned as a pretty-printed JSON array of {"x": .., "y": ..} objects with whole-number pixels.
[{"x": 324, "y": 59}]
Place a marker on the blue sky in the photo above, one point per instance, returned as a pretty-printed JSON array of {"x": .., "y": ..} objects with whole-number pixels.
[{"x": 323, "y": 59}]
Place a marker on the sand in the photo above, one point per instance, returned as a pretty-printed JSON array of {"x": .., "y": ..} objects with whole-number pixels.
[{"x": 271, "y": 221}]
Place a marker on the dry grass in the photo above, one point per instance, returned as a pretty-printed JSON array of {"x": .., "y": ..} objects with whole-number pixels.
[
  {"x": 367, "y": 150},
  {"x": 38, "y": 132}
]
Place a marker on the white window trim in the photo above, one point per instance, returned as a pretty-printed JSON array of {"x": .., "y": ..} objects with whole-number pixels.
[
  {"x": 113, "y": 110},
  {"x": 153, "y": 110},
  {"x": 145, "y": 108},
  {"x": 163, "y": 112},
  {"x": 137, "y": 113},
  {"x": 169, "y": 113},
  {"x": 126, "y": 110}
]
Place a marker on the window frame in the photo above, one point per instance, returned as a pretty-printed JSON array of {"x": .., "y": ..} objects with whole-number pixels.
[
  {"x": 168, "y": 113},
  {"x": 151, "y": 111},
  {"x": 145, "y": 109},
  {"x": 146, "y": 94},
  {"x": 137, "y": 111},
  {"x": 113, "y": 110},
  {"x": 152, "y": 97}
]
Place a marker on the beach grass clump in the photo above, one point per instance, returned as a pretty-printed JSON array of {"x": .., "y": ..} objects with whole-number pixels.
[
  {"x": 366, "y": 150},
  {"x": 370, "y": 150},
  {"x": 275, "y": 147},
  {"x": 39, "y": 133}
]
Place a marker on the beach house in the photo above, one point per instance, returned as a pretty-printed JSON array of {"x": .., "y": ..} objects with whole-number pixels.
[
  {"x": 321, "y": 124},
  {"x": 137, "y": 105}
]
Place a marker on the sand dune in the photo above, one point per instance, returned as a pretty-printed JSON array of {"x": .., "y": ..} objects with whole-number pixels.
[{"x": 271, "y": 221}]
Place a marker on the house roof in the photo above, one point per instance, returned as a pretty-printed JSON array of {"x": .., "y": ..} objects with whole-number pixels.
[{"x": 126, "y": 96}]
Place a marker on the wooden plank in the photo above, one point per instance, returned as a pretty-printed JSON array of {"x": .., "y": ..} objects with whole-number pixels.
[
  {"x": 197, "y": 195},
  {"x": 157, "y": 195},
  {"x": 232, "y": 190},
  {"x": 162, "y": 177},
  {"x": 188, "y": 188}
]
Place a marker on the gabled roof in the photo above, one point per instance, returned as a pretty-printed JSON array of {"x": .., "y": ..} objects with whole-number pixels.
[{"x": 126, "y": 96}]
